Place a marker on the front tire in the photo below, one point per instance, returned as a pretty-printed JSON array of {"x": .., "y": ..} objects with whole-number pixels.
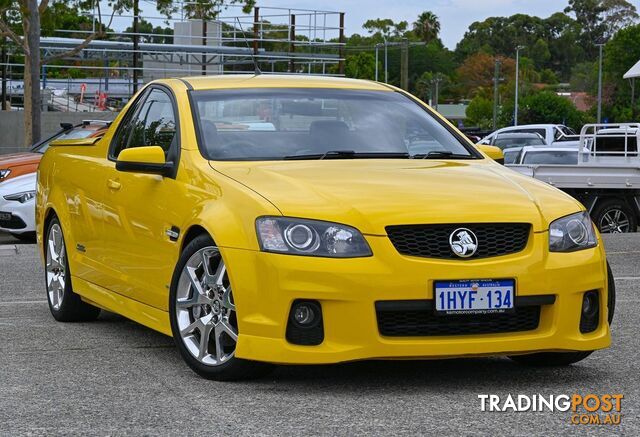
[
  {"x": 557, "y": 359},
  {"x": 203, "y": 315},
  {"x": 65, "y": 305}
]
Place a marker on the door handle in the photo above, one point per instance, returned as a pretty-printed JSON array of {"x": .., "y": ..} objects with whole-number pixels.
[{"x": 114, "y": 184}]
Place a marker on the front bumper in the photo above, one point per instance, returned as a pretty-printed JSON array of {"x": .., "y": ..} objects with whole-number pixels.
[
  {"x": 22, "y": 218},
  {"x": 265, "y": 285}
]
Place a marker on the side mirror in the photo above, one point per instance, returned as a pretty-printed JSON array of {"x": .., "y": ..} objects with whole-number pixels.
[
  {"x": 147, "y": 159},
  {"x": 492, "y": 152},
  {"x": 89, "y": 141}
]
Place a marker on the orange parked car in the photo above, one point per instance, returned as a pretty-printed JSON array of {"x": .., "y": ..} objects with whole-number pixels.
[{"x": 18, "y": 164}]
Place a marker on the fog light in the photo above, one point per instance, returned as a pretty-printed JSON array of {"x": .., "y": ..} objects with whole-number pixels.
[
  {"x": 590, "y": 316},
  {"x": 305, "y": 326},
  {"x": 304, "y": 314},
  {"x": 589, "y": 304}
]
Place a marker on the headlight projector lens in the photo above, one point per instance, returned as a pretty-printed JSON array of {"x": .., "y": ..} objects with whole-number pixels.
[{"x": 301, "y": 237}]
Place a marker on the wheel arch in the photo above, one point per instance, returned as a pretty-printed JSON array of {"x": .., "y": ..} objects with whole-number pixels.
[{"x": 193, "y": 232}]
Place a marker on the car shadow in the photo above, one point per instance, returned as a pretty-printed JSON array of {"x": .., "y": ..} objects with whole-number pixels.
[
  {"x": 463, "y": 373},
  {"x": 453, "y": 374}
]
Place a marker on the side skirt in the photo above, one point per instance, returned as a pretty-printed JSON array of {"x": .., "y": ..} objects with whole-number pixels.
[{"x": 146, "y": 315}]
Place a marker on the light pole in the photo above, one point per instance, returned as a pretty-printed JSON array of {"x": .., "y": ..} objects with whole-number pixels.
[
  {"x": 436, "y": 84},
  {"x": 515, "y": 111},
  {"x": 377, "y": 46},
  {"x": 599, "y": 116},
  {"x": 386, "y": 73}
]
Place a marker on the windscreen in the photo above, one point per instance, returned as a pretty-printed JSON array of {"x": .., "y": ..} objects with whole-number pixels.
[
  {"x": 274, "y": 124},
  {"x": 511, "y": 156},
  {"x": 504, "y": 142},
  {"x": 551, "y": 157},
  {"x": 73, "y": 134}
]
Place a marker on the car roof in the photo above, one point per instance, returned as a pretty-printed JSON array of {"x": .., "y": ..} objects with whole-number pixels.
[
  {"x": 530, "y": 126},
  {"x": 549, "y": 149},
  {"x": 617, "y": 130},
  {"x": 279, "y": 81},
  {"x": 518, "y": 135}
]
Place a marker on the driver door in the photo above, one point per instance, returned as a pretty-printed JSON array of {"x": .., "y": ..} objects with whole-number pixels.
[{"x": 138, "y": 206}]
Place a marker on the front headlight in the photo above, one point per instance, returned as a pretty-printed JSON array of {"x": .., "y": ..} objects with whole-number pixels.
[
  {"x": 23, "y": 197},
  {"x": 571, "y": 233},
  {"x": 4, "y": 173},
  {"x": 310, "y": 237}
]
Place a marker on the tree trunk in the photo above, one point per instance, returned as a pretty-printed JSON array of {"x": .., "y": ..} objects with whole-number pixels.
[{"x": 32, "y": 95}]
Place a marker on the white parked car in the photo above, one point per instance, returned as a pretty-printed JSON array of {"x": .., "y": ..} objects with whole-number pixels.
[
  {"x": 531, "y": 155},
  {"x": 17, "y": 206},
  {"x": 553, "y": 134}
]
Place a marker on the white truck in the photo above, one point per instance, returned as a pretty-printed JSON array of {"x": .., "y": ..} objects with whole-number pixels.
[
  {"x": 553, "y": 134},
  {"x": 606, "y": 178}
]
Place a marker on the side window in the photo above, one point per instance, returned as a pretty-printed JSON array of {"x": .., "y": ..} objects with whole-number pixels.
[
  {"x": 153, "y": 124},
  {"x": 121, "y": 136}
]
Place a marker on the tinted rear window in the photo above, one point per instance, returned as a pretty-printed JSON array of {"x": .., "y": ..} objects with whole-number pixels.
[{"x": 551, "y": 157}]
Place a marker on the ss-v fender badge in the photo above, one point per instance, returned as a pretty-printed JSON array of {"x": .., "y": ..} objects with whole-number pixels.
[
  {"x": 173, "y": 233},
  {"x": 81, "y": 248}
]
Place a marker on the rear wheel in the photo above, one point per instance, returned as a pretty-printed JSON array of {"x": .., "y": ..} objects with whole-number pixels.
[
  {"x": 65, "y": 305},
  {"x": 203, "y": 315},
  {"x": 614, "y": 216},
  {"x": 553, "y": 359}
]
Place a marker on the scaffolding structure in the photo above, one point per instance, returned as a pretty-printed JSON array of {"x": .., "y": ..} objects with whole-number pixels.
[{"x": 269, "y": 39}]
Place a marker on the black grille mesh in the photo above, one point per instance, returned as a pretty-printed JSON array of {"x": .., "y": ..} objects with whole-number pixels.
[
  {"x": 432, "y": 241},
  {"x": 424, "y": 322},
  {"x": 14, "y": 222}
]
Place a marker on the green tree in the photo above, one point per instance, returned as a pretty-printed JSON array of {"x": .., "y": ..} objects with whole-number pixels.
[
  {"x": 620, "y": 54},
  {"x": 427, "y": 26},
  {"x": 361, "y": 66},
  {"x": 540, "y": 53},
  {"x": 385, "y": 28},
  {"x": 480, "y": 112},
  {"x": 158, "y": 34},
  {"x": 618, "y": 14},
  {"x": 548, "y": 107},
  {"x": 584, "y": 76},
  {"x": 599, "y": 20}
]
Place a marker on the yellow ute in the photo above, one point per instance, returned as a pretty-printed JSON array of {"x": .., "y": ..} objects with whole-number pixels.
[{"x": 287, "y": 219}]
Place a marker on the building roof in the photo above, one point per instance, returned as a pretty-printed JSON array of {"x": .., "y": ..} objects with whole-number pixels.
[
  {"x": 633, "y": 72},
  {"x": 455, "y": 111}
]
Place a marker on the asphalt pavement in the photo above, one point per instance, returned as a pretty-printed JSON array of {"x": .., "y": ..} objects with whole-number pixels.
[{"x": 114, "y": 377}]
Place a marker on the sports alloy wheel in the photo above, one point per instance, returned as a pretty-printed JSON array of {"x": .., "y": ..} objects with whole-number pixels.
[
  {"x": 203, "y": 315},
  {"x": 205, "y": 311},
  {"x": 65, "y": 305},
  {"x": 56, "y": 266}
]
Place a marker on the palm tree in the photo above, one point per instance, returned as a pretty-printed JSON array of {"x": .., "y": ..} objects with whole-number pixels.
[{"x": 427, "y": 26}]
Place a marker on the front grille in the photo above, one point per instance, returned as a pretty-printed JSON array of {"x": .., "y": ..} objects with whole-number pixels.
[
  {"x": 417, "y": 319},
  {"x": 432, "y": 241},
  {"x": 14, "y": 222}
]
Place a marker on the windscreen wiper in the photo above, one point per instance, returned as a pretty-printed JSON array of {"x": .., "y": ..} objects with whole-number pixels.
[
  {"x": 349, "y": 154},
  {"x": 435, "y": 154}
]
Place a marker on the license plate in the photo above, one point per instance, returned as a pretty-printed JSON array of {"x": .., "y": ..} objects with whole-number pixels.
[
  {"x": 5, "y": 216},
  {"x": 474, "y": 297}
]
